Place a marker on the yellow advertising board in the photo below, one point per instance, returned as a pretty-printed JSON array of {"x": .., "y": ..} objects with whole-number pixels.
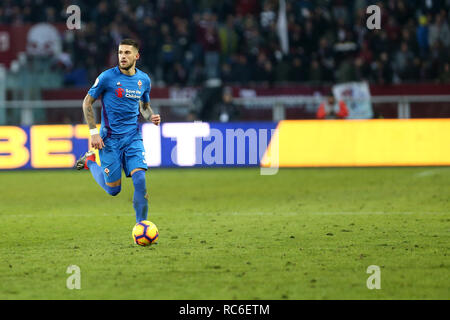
[{"x": 355, "y": 143}]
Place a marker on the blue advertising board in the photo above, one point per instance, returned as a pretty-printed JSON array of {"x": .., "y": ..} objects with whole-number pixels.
[{"x": 193, "y": 144}]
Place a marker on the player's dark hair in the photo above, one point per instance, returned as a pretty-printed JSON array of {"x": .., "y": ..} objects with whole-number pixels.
[{"x": 130, "y": 42}]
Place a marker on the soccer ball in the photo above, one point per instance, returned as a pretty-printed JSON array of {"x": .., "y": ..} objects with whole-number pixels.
[{"x": 145, "y": 233}]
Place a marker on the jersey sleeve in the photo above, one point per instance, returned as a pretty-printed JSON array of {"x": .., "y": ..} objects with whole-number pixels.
[
  {"x": 99, "y": 86},
  {"x": 146, "y": 96}
]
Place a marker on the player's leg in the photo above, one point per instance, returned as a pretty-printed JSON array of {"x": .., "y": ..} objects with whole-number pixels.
[
  {"x": 109, "y": 175},
  {"x": 112, "y": 188},
  {"x": 140, "y": 197},
  {"x": 134, "y": 165}
]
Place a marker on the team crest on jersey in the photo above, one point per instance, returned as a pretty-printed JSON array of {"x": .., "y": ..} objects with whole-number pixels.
[
  {"x": 107, "y": 171},
  {"x": 140, "y": 84}
]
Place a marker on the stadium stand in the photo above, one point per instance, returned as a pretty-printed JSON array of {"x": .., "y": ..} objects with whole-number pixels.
[{"x": 185, "y": 42}]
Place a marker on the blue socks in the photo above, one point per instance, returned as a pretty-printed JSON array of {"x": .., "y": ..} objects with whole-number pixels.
[
  {"x": 140, "y": 202},
  {"x": 97, "y": 173}
]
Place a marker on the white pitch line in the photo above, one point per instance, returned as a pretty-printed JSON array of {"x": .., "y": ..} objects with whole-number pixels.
[
  {"x": 429, "y": 173},
  {"x": 15, "y": 216},
  {"x": 329, "y": 213}
]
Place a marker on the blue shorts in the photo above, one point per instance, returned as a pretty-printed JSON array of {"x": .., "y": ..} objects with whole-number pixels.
[{"x": 125, "y": 152}]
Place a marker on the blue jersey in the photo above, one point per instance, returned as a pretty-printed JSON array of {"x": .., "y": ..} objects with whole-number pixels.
[{"x": 120, "y": 95}]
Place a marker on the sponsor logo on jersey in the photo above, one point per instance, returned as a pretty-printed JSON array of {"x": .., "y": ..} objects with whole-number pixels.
[{"x": 134, "y": 94}]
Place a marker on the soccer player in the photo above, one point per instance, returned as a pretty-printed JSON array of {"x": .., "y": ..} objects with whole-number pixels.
[{"x": 124, "y": 91}]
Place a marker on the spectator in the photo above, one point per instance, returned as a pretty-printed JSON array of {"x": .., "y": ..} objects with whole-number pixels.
[
  {"x": 439, "y": 31},
  {"x": 444, "y": 76},
  {"x": 366, "y": 54},
  {"x": 283, "y": 69},
  {"x": 167, "y": 58},
  {"x": 410, "y": 40},
  {"x": 329, "y": 109},
  {"x": 327, "y": 57},
  {"x": 197, "y": 74},
  {"x": 211, "y": 45},
  {"x": 392, "y": 29},
  {"x": 226, "y": 73},
  {"x": 346, "y": 71},
  {"x": 383, "y": 69},
  {"x": 268, "y": 15},
  {"x": 263, "y": 70},
  {"x": 226, "y": 110},
  {"x": 228, "y": 38},
  {"x": 180, "y": 74},
  {"x": 315, "y": 72},
  {"x": 245, "y": 7},
  {"x": 414, "y": 71},
  {"x": 422, "y": 35},
  {"x": 362, "y": 70},
  {"x": 403, "y": 60},
  {"x": 241, "y": 70},
  {"x": 297, "y": 71}
]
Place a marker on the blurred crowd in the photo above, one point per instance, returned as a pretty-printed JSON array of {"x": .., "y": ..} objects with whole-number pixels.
[{"x": 186, "y": 42}]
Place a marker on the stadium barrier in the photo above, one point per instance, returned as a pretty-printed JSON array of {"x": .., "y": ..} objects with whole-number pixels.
[
  {"x": 271, "y": 108},
  {"x": 54, "y": 106},
  {"x": 307, "y": 143}
]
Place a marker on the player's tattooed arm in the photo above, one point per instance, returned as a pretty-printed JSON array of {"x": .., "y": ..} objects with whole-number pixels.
[
  {"x": 88, "y": 110},
  {"x": 146, "y": 110},
  {"x": 148, "y": 113}
]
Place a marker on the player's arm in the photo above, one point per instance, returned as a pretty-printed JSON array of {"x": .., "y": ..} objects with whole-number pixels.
[
  {"x": 148, "y": 113},
  {"x": 88, "y": 110}
]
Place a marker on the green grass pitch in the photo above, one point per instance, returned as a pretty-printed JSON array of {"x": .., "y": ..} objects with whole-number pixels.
[{"x": 229, "y": 234}]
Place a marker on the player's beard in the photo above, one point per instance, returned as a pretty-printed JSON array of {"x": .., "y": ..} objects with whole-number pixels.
[{"x": 126, "y": 68}]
